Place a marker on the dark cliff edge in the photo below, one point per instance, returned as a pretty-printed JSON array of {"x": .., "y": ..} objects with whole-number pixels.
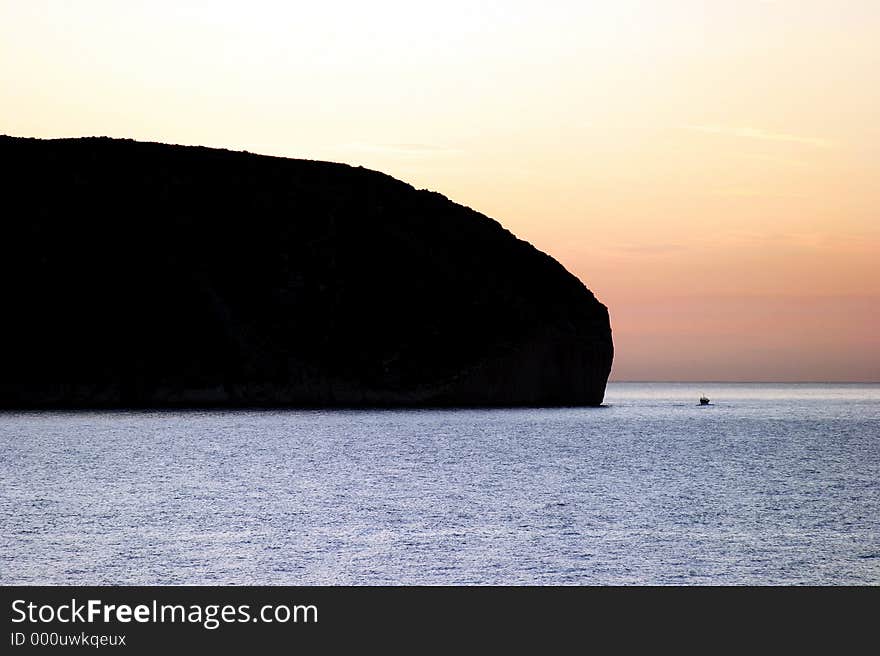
[{"x": 148, "y": 275}]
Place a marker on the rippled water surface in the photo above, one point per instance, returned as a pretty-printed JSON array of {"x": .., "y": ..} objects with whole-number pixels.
[{"x": 772, "y": 484}]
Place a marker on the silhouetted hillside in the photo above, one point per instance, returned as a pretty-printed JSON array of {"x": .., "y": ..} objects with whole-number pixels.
[{"x": 148, "y": 274}]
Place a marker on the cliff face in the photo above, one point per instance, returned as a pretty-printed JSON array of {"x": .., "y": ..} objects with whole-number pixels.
[{"x": 141, "y": 274}]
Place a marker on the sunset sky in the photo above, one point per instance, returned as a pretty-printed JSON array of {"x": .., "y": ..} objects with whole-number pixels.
[{"x": 710, "y": 169}]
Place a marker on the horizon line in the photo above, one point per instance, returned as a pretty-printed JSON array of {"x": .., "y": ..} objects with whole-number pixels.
[{"x": 752, "y": 382}]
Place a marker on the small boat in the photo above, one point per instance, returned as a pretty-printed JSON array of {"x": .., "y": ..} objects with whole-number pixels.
[{"x": 704, "y": 400}]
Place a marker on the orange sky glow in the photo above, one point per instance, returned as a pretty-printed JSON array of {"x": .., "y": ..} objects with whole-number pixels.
[{"x": 709, "y": 169}]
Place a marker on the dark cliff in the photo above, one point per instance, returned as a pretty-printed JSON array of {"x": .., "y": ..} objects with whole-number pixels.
[{"x": 142, "y": 274}]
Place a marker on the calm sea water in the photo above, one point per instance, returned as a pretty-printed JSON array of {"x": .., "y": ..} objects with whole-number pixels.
[{"x": 772, "y": 484}]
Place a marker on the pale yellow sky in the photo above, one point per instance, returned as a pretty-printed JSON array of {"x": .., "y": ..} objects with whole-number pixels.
[{"x": 709, "y": 169}]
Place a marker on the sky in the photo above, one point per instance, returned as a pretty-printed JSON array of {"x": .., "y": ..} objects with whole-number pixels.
[{"x": 710, "y": 169}]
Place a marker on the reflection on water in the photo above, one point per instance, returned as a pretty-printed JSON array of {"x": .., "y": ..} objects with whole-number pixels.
[{"x": 769, "y": 484}]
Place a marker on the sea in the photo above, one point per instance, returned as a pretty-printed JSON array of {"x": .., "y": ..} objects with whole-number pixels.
[{"x": 770, "y": 484}]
